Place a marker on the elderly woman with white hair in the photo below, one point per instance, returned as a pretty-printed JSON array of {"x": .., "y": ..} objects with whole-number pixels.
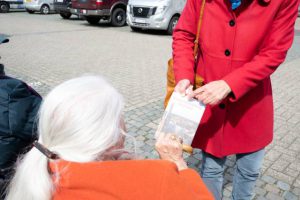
[{"x": 80, "y": 150}]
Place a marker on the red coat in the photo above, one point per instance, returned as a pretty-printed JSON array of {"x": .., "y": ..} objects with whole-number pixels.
[{"x": 243, "y": 48}]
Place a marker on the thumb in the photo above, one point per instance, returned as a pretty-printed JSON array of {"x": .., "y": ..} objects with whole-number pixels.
[{"x": 182, "y": 86}]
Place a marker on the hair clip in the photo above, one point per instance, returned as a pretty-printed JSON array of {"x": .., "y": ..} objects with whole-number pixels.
[{"x": 49, "y": 154}]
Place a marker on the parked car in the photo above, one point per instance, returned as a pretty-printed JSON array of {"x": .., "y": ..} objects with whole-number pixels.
[
  {"x": 94, "y": 10},
  {"x": 6, "y": 5},
  {"x": 154, "y": 14},
  {"x": 63, "y": 7},
  {"x": 42, "y": 6}
]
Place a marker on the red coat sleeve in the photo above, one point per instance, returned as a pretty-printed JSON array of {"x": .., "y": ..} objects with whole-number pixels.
[
  {"x": 270, "y": 56},
  {"x": 183, "y": 43}
]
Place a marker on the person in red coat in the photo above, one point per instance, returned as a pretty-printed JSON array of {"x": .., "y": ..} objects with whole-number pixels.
[{"x": 242, "y": 42}]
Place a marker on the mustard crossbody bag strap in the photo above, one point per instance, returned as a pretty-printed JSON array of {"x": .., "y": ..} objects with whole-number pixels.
[{"x": 196, "y": 43}]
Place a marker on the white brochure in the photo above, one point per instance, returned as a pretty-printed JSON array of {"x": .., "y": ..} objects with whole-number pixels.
[{"x": 181, "y": 117}]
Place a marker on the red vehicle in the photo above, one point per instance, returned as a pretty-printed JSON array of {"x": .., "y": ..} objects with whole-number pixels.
[{"x": 94, "y": 10}]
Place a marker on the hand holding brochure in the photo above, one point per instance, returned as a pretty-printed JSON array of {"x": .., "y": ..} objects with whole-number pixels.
[{"x": 181, "y": 117}]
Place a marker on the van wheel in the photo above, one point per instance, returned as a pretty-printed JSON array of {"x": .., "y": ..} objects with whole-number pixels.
[
  {"x": 4, "y": 7},
  {"x": 45, "y": 10},
  {"x": 118, "y": 17},
  {"x": 92, "y": 20},
  {"x": 65, "y": 15},
  {"x": 30, "y": 11},
  {"x": 172, "y": 25}
]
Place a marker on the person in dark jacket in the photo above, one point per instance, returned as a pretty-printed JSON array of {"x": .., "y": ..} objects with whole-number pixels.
[{"x": 19, "y": 106}]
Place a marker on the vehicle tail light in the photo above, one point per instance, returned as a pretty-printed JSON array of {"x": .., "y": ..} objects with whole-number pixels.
[{"x": 99, "y": 2}]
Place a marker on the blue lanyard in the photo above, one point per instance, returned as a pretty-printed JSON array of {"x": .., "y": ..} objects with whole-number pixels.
[{"x": 235, "y": 4}]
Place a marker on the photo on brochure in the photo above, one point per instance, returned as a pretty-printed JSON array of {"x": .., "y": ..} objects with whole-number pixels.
[{"x": 181, "y": 117}]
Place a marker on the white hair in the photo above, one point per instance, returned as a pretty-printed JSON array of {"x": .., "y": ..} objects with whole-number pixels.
[{"x": 79, "y": 120}]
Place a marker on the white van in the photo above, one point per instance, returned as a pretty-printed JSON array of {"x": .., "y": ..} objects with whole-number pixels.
[
  {"x": 6, "y": 5},
  {"x": 154, "y": 14}
]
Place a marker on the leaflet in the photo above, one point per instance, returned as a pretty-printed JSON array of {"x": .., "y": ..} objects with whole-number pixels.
[{"x": 181, "y": 117}]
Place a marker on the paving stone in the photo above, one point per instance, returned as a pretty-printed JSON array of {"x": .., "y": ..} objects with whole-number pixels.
[
  {"x": 226, "y": 193},
  {"x": 230, "y": 170},
  {"x": 295, "y": 147},
  {"x": 260, "y": 183},
  {"x": 263, "y": 169},
  {"x": 147, "y": 148},
  {"x": 289, "y": 196},
  {"x": 295, "y": 165},
  {"x": 194, "y": 167},
  {"x": 296, "y": 191},
  {"x": 230, "y": 163},
  {"x": 280, "y": 176},
  {"x": 260, "y": 198},
  {"x": 197, "y": 156},
  {"x": 226, "y": 198},
  {"x": 288, "y": 158},
  {"x": 291, "y": 172},
  {"x": 273, "y": 155},
  {"x": 229, "y": 187},
  {"x": 272, "y": 188},
  {"x": 272, "y": 196},
  {"x": 280, "y": 165},
  {"x": 297, "y": 183},
  {"x": 140, "y": 138},
  {"x": 152, "y": 125},
  {"x": 151, "y": 142},
  {"x": 193, "y": 161},
  {"x": 267, "y": 163},
  {"x": 260, "y": 191},
  {"x": 268, "y": 179},
  {"x": 228, "y": 177},
  {"x": 283, "y": 186}
]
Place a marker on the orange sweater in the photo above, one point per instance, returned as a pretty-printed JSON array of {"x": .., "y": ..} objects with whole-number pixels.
[{"x": 127, "y": 180}]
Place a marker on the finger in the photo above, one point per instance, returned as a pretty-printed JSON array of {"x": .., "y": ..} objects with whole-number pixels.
[
  {"x": 190, "y": 93},
  {"x": 180, "y": 140},
  {"x": 214, "y": 102},
  {"x": 173, "y": 139},
  {"x": 180, "y": 90},
  {"x": 174, "y": 147},
  {"x": 183, "y": 86},
  {"x": 202, "y": 96},
  {"x": 200, "y": 90},
  {"x": 208, "y": 100}
]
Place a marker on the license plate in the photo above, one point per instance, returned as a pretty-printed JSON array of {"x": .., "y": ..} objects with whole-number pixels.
[
  {"x": 60, "y": 1},
  {"x": 140, "y": 21}
]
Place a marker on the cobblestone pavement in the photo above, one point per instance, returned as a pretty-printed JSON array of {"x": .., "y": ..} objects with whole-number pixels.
[{"x": 46, "y": 50}]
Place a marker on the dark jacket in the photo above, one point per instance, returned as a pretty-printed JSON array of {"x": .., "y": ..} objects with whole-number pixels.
[{"x": 19, "y": 106}]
